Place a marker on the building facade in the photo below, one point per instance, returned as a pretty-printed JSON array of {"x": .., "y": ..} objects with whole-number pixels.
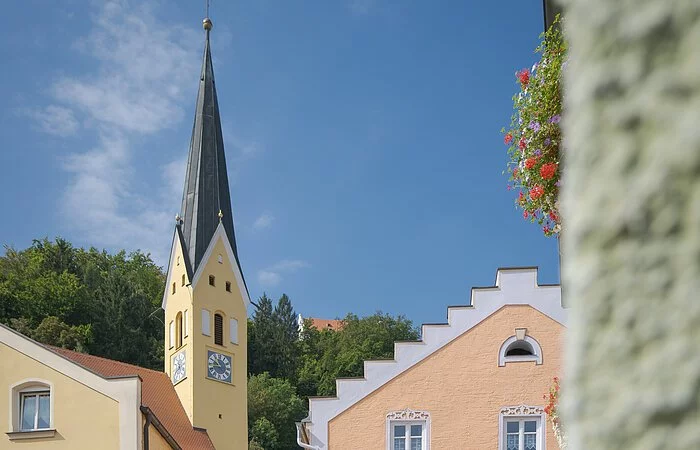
[
  {"x": 474, "y": 382},
  {"x": 59, "y": 399}
]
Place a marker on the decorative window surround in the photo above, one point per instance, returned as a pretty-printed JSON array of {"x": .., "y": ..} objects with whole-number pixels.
[
  {"x": 522, "y": 412},
  {"x": 206, "y": 322},
  {"x": 408, "y": 417},
  {"x": 503, "y": 359}
]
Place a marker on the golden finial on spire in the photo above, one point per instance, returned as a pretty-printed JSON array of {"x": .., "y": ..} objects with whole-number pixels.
[
  {"x": 206, "y": 23},
  {"x": 221, "y": 215}
]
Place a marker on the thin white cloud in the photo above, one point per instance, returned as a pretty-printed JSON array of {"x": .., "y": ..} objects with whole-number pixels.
[
  {"x": 361, "y": 7},
  {"x": 273, "y": 275},
  {"x": 143, "y": 78},
  {"x": 263, "y": 222},
  {"x": 55, "y": 120}
]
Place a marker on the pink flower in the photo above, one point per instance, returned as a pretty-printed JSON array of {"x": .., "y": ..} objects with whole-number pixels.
[{"x": 508, "y": 139}]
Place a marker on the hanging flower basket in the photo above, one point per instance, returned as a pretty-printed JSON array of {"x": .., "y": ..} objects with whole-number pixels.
[{"x": 534, "y": 136}]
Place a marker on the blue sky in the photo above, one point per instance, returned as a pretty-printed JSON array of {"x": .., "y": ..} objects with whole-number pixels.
[{"x": 362, "y": 137}]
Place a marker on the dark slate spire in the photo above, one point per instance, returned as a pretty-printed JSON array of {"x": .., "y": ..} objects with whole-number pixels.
[{"x": 206, "y": 199}]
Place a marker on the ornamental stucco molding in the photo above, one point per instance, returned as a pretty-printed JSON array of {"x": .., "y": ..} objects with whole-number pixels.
[
  {"x": 408, "y": 414},
  {"x": 522, "y": 410}
]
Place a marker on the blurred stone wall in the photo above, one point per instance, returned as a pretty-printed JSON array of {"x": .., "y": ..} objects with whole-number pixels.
[{"x": 631, "y": 209}]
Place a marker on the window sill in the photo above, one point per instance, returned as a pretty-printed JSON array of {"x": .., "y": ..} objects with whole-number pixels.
[{"x": 35, "y": 434}]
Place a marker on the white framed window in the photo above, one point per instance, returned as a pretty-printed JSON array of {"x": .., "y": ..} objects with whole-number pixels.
[
  {"x": 206, "y": 322},
  {"x": 31, "y": 409},
  {"x": 171, "y": 334},
  {"x": 522, "y": 428},
  {"x": 233, "y": 331},
  {"x": 35, "y": 410},
  {"x": 408, "y": 430},
  {"x": 186, "y": 324}
]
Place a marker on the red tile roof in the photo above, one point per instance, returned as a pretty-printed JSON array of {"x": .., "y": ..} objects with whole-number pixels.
[
  {"x": 157, "y": 393},
  {"x": 326, "y": 324}
]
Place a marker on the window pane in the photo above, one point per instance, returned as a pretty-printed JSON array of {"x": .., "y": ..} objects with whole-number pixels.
[
  {"x": 416, "y": 443},
  {"x": 530, "y": 442},
  {"x": 512, "y": 442},
  {"x": 399, "y": 444},
  {"x": 44, "y": 408},
  {"x": 399, "y": 430},
  {"x": 416, "y": 430},
  {"x": 512, "y": 427},
  {"x": 28, "y": 411},
  {"x": 530, "y": 426}
]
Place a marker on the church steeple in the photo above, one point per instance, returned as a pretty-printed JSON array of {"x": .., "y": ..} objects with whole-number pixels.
[{"x": 206, "y": 200}]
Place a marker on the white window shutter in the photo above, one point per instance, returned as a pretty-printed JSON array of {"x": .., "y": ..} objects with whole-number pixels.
[
  {"x": 233, "y": 331},
  {"x": 206, "y": 323},
  {"x": 185, "y": 324},
  {"x": 171, "y": 334}
]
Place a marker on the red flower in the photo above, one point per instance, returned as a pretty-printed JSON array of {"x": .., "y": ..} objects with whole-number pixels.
[
  {"x": 508, "y": 139},
  {"x": 530, "y": 163},
  {"x": 515, "y": 172},
  {"x": 524, "y": 214},
  {"x": 555, "y": 218},
  {"x": 521, "y": 144},
  {"x": 523, "y": 76},
  {"x": 521, "y": 197},
  {"x": 536, "y": 192},
  {"x": 547, "y": 171}
]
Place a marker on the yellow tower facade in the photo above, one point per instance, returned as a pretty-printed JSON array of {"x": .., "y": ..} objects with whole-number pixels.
[{"x": 206, "y": 299}]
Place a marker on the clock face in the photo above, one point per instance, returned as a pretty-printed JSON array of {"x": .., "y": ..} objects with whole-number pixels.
[
  {"x": 179, "y": 367},
  {"x": 219, "y": 366}
]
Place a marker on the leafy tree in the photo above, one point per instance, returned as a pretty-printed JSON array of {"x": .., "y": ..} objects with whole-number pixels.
[
  {"x": 273, "y": 339},
  {"x": 328, "y": 354},
  {"x": 86, "y": 300},
  {"x": 273, "y": 408}
]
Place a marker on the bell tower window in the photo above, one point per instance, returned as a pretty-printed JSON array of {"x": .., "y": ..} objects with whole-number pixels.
[
  {"x": 178, "y": 330},
  {"x": 218, "y": 329}
]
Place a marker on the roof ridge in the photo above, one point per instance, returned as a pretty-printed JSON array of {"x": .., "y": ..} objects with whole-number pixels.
[{"x": 60, "y": 351}]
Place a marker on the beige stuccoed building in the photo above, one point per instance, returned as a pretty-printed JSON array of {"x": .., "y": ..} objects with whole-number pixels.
[
  {"x": 55, "y": 399},
  {"x": 474, "y": 382}
]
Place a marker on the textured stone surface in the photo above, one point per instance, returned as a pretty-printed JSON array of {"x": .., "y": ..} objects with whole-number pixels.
[{"x": 631, "y": 208}]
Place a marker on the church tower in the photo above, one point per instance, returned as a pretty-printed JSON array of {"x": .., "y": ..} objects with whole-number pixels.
[{"x": 206, "y": 299}]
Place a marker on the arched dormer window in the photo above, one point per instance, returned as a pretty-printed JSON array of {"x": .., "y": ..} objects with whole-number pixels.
[
  {"x": 32, "y": 409},
  {"x": 218, "y": 329},
  {"x": 178, "y": 330},
  {"x": 520, "y": 348}
]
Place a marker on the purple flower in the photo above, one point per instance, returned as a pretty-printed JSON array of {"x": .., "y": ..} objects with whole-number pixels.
[
  {"x": 535, "y": 126},
  {"x": 538, "y": 152},
  {"x": 555, "y": 118},
  {"x": 547, "y": 141},
  {"x": 558, "y": 183}
]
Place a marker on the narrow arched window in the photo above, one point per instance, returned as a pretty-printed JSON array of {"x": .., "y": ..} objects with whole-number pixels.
[
  {"x": 212, "y": 280},
  {"x": 173, "y": 288},
  {"x": 183, "y": 279},
  {"x": 218, "y": 329},
  {"x": 178, "y": 329}
]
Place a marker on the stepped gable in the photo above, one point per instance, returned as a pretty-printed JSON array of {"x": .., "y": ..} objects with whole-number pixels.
[{"x": 513, "y": 286}]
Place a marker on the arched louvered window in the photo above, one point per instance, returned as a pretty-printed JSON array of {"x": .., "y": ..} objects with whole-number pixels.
[
  {"x": 218, "y": 329},
  {"x": 178, "y": 330}
]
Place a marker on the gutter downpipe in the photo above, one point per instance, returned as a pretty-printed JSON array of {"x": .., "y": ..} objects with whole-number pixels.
[
  {"x": 146, "y": 424},
  {"x": 302, "y": 444}
]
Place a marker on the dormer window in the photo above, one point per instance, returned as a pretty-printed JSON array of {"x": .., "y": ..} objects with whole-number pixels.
[{"x": 520, "y": 348}]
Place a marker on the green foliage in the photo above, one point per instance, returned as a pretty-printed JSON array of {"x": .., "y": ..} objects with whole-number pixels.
[
  {"x": 328, "y": 354},
  {"x": 254, "y": 445},
  {"x": 85, "y": 300},
  {"x": 534, "y": 137},
  {"x": 273, "y": 408},
  {"x": 273, "y": 339}
]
